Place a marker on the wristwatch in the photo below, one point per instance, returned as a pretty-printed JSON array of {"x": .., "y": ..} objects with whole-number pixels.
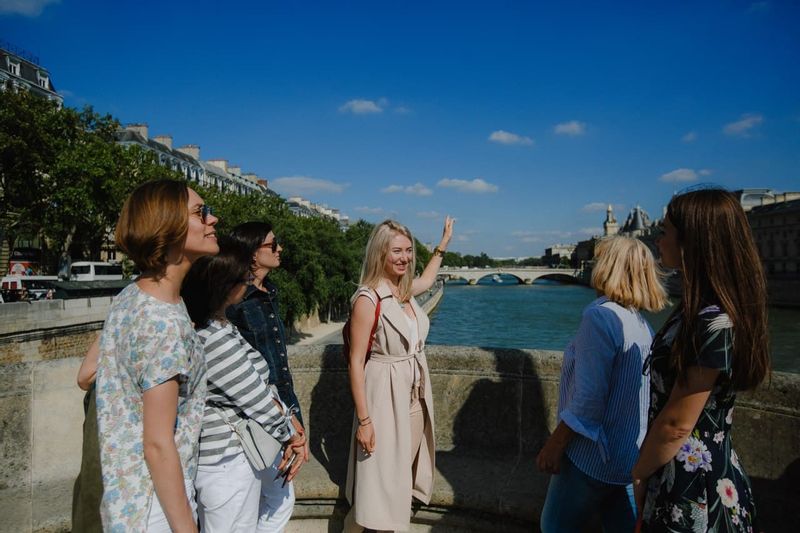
[{"x": 438, "y": 251}]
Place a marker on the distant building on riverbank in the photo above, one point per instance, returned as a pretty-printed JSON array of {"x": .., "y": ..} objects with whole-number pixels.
[
  {"x": 776, "y": 229},
  {"x": 307, "y": 209},
  {"x": 557, "y": 254}
]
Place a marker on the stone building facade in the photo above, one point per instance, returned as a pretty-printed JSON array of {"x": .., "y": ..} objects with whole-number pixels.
[{"x": 776, "y": 229}]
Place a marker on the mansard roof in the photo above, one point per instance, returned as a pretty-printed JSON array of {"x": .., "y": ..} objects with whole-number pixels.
[
  {"x": 27, "y": 70},
  {"x": 128, "y": 136}
]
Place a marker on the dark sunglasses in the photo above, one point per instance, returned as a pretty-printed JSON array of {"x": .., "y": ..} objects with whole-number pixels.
[
  {"x": 204, "y": 211},
  {"x": 273, "y": 244}
]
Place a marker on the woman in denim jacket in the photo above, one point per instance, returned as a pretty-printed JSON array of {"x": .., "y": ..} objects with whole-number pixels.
[{"x": 259, "y": 322}]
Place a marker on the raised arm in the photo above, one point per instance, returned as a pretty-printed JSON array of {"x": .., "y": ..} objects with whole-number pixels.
[
  {"x": 361, "y": 321},
  {"x": 428, "y": 277}
]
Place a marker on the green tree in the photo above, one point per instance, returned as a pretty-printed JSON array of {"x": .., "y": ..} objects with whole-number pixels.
[{"x": 29, "y": 144}]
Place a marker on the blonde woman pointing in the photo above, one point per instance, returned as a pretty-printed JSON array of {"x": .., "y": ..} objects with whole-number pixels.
[{"x": 392, "y": 448}]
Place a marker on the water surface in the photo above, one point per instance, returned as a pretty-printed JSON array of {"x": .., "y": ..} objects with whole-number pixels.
[{"x": 546, "y": 315}]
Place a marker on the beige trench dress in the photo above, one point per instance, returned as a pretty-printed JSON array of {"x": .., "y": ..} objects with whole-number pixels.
[{"x": 380, "y": 485}]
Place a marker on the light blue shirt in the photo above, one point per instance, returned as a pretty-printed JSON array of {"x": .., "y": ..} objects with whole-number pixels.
[{"x": 603, "y": 395}]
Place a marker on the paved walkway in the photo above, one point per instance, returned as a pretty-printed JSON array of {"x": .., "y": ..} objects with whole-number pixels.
[{"x": 325, "y": 333}]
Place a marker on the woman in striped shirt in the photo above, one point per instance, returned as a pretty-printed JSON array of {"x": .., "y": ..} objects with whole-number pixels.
[
  {"x": 603, "y": 396},
  {"x": 229, "y": 489}
]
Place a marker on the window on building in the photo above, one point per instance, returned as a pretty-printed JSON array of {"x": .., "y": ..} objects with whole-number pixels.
[
  {"x": 43, "y": 82},
  {"x": 13, "y": 68}
]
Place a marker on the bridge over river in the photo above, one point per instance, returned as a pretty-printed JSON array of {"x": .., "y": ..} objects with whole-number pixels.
[{"x": 526, "y": 275}]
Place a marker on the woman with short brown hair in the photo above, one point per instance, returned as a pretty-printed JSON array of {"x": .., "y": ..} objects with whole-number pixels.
[{"x": 151, "y": 375}]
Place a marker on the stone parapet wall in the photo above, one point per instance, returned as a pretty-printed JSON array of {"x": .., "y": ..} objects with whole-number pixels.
[{"x": 493, "y": 410}]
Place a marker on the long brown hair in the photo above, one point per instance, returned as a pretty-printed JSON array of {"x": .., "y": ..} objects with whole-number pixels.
[{"x": 720, "y": 265}]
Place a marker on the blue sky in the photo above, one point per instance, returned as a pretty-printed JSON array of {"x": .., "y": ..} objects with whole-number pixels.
[{"x": 521, "y": 119}]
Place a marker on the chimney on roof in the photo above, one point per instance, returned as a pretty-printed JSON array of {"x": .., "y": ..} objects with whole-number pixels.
[
  {"x": 264, "y": 182},
  {"x": 235, "y": 169},
  {"x": 141, "y": 129},
  {"x": 192, "y": 150},
  {"x": 250, "y": 176},
  {"x": 219, "y": 163},
  {"x": 166, "y": 140}
]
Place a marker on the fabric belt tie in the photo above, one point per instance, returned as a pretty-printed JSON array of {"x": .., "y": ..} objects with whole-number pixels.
[{"x": 418, "y": 388}]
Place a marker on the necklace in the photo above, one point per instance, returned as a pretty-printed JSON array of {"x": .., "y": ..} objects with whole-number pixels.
[{"x": 396, "y": 296}]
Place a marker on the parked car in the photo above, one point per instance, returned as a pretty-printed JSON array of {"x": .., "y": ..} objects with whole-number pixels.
[{"x": 94, "y": 271}]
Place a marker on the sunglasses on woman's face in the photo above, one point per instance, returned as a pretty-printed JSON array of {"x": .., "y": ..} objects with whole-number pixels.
[
  {"x": 273, "y": 244},
  {"x": 204, "y": 211}
]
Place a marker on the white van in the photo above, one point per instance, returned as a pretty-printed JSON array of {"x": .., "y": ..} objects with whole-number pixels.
[{"x": 94, "y": 271}]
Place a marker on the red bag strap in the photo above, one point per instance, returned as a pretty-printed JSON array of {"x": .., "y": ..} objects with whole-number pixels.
[{"x": 375, "y": 324}]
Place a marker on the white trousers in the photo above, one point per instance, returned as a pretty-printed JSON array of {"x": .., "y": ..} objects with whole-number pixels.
[
  {"x": 157, "y": 520},
  {"x": 233, "y": 497}
]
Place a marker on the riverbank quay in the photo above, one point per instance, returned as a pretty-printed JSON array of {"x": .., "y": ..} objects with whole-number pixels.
[{"x": 494, "y": 409}]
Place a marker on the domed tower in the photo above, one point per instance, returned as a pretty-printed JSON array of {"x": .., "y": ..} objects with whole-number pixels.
[{"x": 610, "y": 226}]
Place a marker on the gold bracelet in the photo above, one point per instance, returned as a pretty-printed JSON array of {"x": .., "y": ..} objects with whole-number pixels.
[{"x": 438, "y": 251}]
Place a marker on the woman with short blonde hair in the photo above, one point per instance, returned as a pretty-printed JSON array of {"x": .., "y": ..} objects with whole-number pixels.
[
  {"x": 637, "y": 284},
  {"x": 603, "y": 396}
]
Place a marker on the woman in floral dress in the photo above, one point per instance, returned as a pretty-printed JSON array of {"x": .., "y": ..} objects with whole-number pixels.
[
  {"x": 688, "y": 476},
  {"x": 151, "y": 372}
]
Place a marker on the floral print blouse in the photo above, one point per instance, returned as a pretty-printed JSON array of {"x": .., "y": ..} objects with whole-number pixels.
[
  {"x": 145, "y": 342},
  {"x": 704, "y": 487}
]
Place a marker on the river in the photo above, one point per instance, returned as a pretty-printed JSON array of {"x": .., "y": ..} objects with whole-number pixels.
[{"x": 545, "y": 315}]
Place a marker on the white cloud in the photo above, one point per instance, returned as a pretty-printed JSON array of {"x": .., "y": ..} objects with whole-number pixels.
[
  {"x": 572, "y": 128},
  {"x": 591, "y": 231},
  {"x": 417, "y": 189},
  {"x": 402, "y": 110},
  {"x": 533, "y": 237},
  {"x": 506, "y": 137},
  {"x": 743, "y": 126},
  {"x": 689, "y": 137},
  {"x": 26, "y": 8},
  {"x": 477, "y": 185},
  {"x": 370, "y": 210},
  {"x": 680, "y": 175},
  {"x": 594, "y": 207},
  {"x": 428, "y": 214},
  {"x": 303, "y": 185},
  {"x": 360, "y": 106}
]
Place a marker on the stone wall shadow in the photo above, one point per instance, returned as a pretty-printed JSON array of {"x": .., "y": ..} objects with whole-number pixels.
[
  {"x": 496, "y": 434},
  {"x": 777, "y": 500},
  {"x": 330, "y": 417}
]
